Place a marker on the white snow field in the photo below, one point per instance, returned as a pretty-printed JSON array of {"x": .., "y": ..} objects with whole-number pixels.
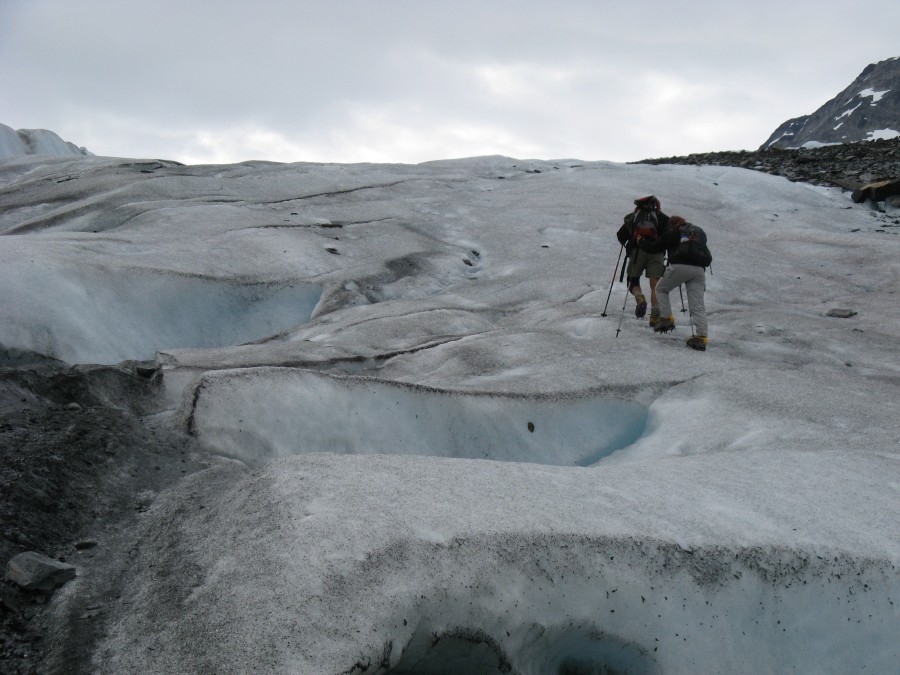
[{"x": 437, "y": 456}]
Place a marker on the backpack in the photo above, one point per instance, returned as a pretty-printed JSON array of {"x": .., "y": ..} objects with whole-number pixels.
[
  {"x": 692, "y": 248},
  {"x": 645, "y": 223}
]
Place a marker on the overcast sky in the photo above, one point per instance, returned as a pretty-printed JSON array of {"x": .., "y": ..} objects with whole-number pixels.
[{"x": 415, "y": 80}]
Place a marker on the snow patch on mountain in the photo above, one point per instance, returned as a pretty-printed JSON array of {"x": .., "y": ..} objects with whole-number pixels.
[
  {"x": 876, "y": 95},
  {"x": 883, "y": 134}
]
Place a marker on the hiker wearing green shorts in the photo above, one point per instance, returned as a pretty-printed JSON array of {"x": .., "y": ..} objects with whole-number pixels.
[{"x": 648, "y": 222}]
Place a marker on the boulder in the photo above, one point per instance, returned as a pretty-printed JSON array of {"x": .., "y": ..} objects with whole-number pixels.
[
  {"x": 35, "y": 572},
  {"x": 877, "y": 192}
]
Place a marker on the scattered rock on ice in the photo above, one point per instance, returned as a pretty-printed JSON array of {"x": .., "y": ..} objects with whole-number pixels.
[{"x": 35, "y": 572}]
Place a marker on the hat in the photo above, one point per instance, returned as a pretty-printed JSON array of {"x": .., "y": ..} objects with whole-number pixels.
[{"x": 649, "y": 202}]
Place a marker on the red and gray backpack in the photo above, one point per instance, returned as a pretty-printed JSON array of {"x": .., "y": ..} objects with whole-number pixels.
[{"x": 645, "y": 222}]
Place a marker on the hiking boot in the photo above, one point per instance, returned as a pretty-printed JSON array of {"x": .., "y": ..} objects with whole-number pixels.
[
  {"x": 665, "y": 325},
  {"x": 654, "y": 316},
  {"x": 697, "y": 342},
  {"x": 641, "y": 309}
]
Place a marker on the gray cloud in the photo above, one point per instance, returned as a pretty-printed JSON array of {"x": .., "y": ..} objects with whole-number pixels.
[{"x": 398, "y": 80}]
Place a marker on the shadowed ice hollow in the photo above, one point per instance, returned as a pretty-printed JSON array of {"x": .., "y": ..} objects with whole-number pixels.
[
  {"x": 257, "y": 414},
  {"x": 99, "y": 315}
]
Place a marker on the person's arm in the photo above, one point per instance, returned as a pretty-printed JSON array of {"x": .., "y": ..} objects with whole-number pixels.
[{"x": 624, "y": 233}]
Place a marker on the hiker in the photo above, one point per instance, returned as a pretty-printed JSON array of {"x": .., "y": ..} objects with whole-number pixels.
[
  {"x": 648, "y": 222},
  {"x": 689, "y": 257}
]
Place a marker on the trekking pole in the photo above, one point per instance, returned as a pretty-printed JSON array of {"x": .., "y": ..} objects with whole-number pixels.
[
  {"x": 613, "y": 280},
  {"x": 627, "y": 291},
  {"x": 683, "y": 310}
]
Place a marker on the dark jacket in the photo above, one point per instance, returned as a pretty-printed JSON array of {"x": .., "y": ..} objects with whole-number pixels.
[
  {"x": 685, "y": 245},
  {"x": 625, "y": 233}
]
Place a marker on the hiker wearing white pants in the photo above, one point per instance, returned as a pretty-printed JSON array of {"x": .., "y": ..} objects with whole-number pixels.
[
  {"x": 694, "y": 279},
  {"x": 688, "y": 257}
]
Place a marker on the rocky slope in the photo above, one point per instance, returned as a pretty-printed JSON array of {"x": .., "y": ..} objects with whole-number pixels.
[
  {"x": 846, "y": 165},
  {"x": 868, "y": 109},
  {"x": 75, "y": 451}
]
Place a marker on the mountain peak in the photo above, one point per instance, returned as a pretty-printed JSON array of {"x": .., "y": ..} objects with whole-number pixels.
[{"x": 868, "y": 109}]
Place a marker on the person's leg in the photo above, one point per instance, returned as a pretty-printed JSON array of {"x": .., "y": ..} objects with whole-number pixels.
[
  {"x": 640, "y": 303},
  {"x": 634, "y": 286},
  {"x": 656, "y": 268},
  {"x": 663, "y": 287},
  {"x": 633, "y": 274},
  {"x": 673, "y": 278},
  {"x": 696, "y": 288},
  {"x": 654, "y": 301},
  {"x": 639, "y": 267}
]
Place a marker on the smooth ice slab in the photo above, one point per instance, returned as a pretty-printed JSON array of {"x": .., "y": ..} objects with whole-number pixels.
[{"x": 256, "y": 414}]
